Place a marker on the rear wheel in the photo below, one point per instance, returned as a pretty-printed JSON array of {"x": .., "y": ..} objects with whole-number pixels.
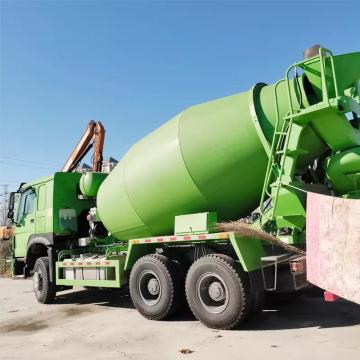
[
  {"x": 44, "y": 290},
  {"x": 155, "y": 286},
  {"x": 217, "y": 292}
]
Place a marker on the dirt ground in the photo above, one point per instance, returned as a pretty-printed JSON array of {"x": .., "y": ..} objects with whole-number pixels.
[
  {"x": 104, "y": 325},
  {"x": 5, "y": 254}
]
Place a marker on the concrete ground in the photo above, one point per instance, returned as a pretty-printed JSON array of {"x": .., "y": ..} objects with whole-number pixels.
[{"x": 95, "y": 324}]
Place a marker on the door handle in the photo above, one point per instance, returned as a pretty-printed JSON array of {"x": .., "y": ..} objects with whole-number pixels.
[{"x": 32, "y": 221}]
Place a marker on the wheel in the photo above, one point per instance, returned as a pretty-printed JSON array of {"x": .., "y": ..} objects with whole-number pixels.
[
  {"x": 44, "y": 290},
  {"x": 217, "y": 291},
  {"x": 155, "y": 286},
  {"x": 255, "y": 299}
]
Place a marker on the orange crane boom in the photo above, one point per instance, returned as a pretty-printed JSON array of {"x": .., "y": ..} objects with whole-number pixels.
[{"x": 93, "y": 136}]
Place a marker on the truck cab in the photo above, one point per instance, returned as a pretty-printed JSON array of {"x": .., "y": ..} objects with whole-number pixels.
[{"x": 48, "y": 214}]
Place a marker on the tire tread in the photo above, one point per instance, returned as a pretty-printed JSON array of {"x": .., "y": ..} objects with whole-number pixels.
[
  {"x": 171, "y": 274},
  {"x": 48, "y": 298},
  {"x": 231, "y": 264}
]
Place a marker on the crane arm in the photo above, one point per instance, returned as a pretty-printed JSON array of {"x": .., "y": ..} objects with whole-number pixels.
[
  {"x": 93, "y": 136},
  {"x": 99, "y": 137}
]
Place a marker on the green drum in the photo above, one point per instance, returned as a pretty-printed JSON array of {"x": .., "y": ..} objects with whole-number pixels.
[{"x": 210, "y": 157}]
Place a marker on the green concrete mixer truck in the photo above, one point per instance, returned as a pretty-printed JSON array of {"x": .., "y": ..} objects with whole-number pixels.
[{"x": 212, "y": 208}]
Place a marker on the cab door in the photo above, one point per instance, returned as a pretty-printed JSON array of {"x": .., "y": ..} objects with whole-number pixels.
[{"x": 24, "y": 222}]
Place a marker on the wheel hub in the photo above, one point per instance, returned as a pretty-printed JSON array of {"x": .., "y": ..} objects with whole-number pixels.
[
  {"x": 153, "y": 286},
  {"x": 149, "y": 287},
  {"x": 216, "y": 291},
  {"x": 212, "y": 292}
]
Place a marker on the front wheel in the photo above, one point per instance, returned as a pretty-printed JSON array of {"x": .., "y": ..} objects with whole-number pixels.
[
  {"x": 216, "y": 292},
  {"x": 44, "y": 290}
]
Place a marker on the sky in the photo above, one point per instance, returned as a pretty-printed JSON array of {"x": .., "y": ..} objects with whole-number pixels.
[{"x": 135, "y": 64}]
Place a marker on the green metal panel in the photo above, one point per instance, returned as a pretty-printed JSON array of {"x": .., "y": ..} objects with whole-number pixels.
[
  {"x": 248, "y": 250},
  {"x": 116, "y": 283},
  {"x": 65, "y": 196},
  {"x": 200, "y": 223},
  {"x": 136, "y": 251}
]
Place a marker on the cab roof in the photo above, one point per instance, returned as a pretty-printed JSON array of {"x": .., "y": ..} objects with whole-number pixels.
[{"x": 50, "y": 178}]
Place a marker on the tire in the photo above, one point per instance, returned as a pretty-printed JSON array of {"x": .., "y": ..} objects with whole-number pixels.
[
  {"x": 217, "y": 292},
  {"x": 44, "y": 290},
  {"x": 255, "y": 300},
  {"x": 155, "y": 287}
]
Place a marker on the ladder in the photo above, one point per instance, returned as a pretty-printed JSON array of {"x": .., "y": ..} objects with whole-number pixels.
[
  {"x": 280, "y": 142},
  {"x": 277, "y": 155}
]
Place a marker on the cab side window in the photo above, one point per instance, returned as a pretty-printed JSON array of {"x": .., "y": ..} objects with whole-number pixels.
[
  {"x": 29, "y": 203},
  {"x": 26, "y": 205},
  {"x": 41, "y": 198}
]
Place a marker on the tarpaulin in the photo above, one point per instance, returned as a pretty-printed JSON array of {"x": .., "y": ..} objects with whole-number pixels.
[{"x": 333, "y": 245}]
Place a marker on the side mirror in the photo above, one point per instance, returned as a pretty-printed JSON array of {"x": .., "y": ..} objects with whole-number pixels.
[
  {"x": 11, "y": 212},
  {"x": 10, "y": 215},
  {"x": 11, "y": 201}
]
